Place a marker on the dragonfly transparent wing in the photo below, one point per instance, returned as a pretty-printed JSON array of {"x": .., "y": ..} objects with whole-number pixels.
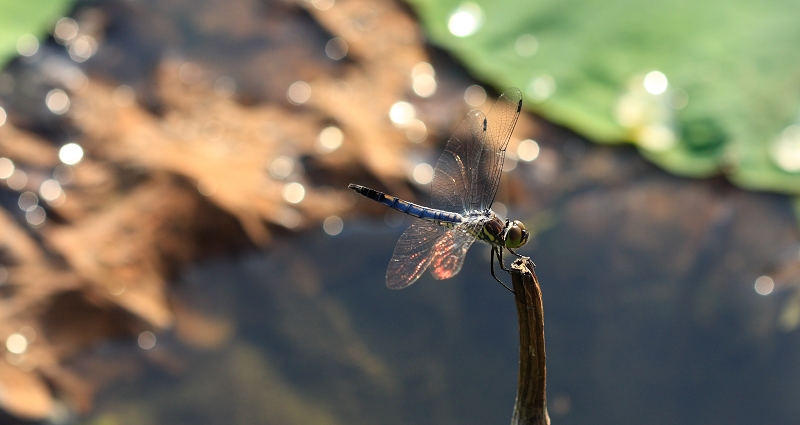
[
  {"x": 412, "y": 254},
  {"x": 449, "y": 252},
  {"x": 452, "y": 188},
  {"x": 468, "y": 172},
  {"x": 501, "y": 120}
]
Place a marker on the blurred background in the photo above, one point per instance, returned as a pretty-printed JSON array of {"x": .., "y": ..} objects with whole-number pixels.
[{"x": 178, "y": 244}]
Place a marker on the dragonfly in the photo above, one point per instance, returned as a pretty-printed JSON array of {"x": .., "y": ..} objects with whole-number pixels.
[{"x": 464, "y": 186}]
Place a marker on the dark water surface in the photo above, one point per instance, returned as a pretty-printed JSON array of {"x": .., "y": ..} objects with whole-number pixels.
[{"x": 650, "y": 315}]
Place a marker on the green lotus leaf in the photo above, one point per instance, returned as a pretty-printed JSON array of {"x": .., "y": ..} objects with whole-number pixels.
[
  {"x": 702, "y": 87},
  {"x": 27, "y": 19}
]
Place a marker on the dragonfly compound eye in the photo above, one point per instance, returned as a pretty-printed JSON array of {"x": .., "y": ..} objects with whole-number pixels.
[{"x": 517, "y": 235}]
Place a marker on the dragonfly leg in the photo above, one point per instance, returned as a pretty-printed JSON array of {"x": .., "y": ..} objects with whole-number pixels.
[
  {"x": 519, "y": 256},
  {"x": 497, "y": 252}
]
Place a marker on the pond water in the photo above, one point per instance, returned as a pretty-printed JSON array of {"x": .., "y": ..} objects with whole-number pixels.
[{"x": 650, "y": 317}]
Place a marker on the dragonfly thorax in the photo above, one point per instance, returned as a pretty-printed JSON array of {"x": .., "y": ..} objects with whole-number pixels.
[{"x": 495, "y": 231}]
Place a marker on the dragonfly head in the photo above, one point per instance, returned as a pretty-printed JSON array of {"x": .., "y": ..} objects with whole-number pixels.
[{"x": 515, "y": 234}]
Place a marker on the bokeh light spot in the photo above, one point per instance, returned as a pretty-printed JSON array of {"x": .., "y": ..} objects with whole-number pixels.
[
  {"x": 63, "y": 174},
  {"x": 541, "y": 87},
  {"x": 500, "y": 209},
  {"x": 678, "y": 99},
  {"x": 764, "y": 285},
  {"x": 16, "y": 343},
  {"x": 786, "y": 150},
  {"x": 422, "y": 68},
  {"x": 71, "y": 153},
  {"x": 189, "y": 73},
  {"x": 465, "y": 20},
  {"x": 27, "y": 45},
  {"x": 225, "y": 86},
  {"x": 526, "y": 45},
  {"x": 294, "y": 192},
  {"x": 50, "y": 190},
  {"x": 281, "y": 167},
  {"x": 116, "y": 287},
  {"x": 424, "y": 85},
  {"x": 290, "y": 218},
  {"x": 656, "y": 137},
  {"x": 333, "y": 225},
  {"x": 416, "y": 131},
  {"x": 82, "y": 48},
  {"x": 323, "y": 4},
  {"x": 147, "y": 340},
  {"x": 36, "y": 216},
  {"x": 6, "y": 168},
  {"x": 402, "y": 113},
  {"x": 655, "y": 82},
  {"x": 423, "y": 79},
  {"x": 17, "y": 180},
  {"x": 510, "y": 162},
  {"x": 393, "y": 218},
  {"x": 57, "y": 101},
  {"x": 66, "y": 30},
  {"x": 422, "y": 173},
  {"x": 299, "y": 93},
  {"x": 27, "y": 201},
  {"x": 123, "y": 96},
  {"x": 330, "y": 139},
  {"x": 528, "y": 150},
  {"x": 336, "y": 48},
  {"x": 475, "y": 95}
]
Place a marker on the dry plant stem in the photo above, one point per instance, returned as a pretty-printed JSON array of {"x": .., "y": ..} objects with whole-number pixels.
[{"x": 531, "y": 405}]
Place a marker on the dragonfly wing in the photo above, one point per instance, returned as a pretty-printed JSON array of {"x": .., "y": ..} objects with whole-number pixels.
[
  {"x": 452, "y": 188},
  {"x": 501, "y": 120},
  {"x": 449, "y": 252},
  {"x": 468, "y": 172},
  {"x": 412, "y": 254}
]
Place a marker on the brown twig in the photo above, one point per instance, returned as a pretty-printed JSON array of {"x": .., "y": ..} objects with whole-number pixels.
[{"x": 531, "y": 405}]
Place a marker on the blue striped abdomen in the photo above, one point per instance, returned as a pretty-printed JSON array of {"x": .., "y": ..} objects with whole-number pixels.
[{"x": 444, "y": 218}]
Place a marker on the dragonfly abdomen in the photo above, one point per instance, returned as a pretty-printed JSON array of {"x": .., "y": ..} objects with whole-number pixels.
[{"x": 444, "y": 218}]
